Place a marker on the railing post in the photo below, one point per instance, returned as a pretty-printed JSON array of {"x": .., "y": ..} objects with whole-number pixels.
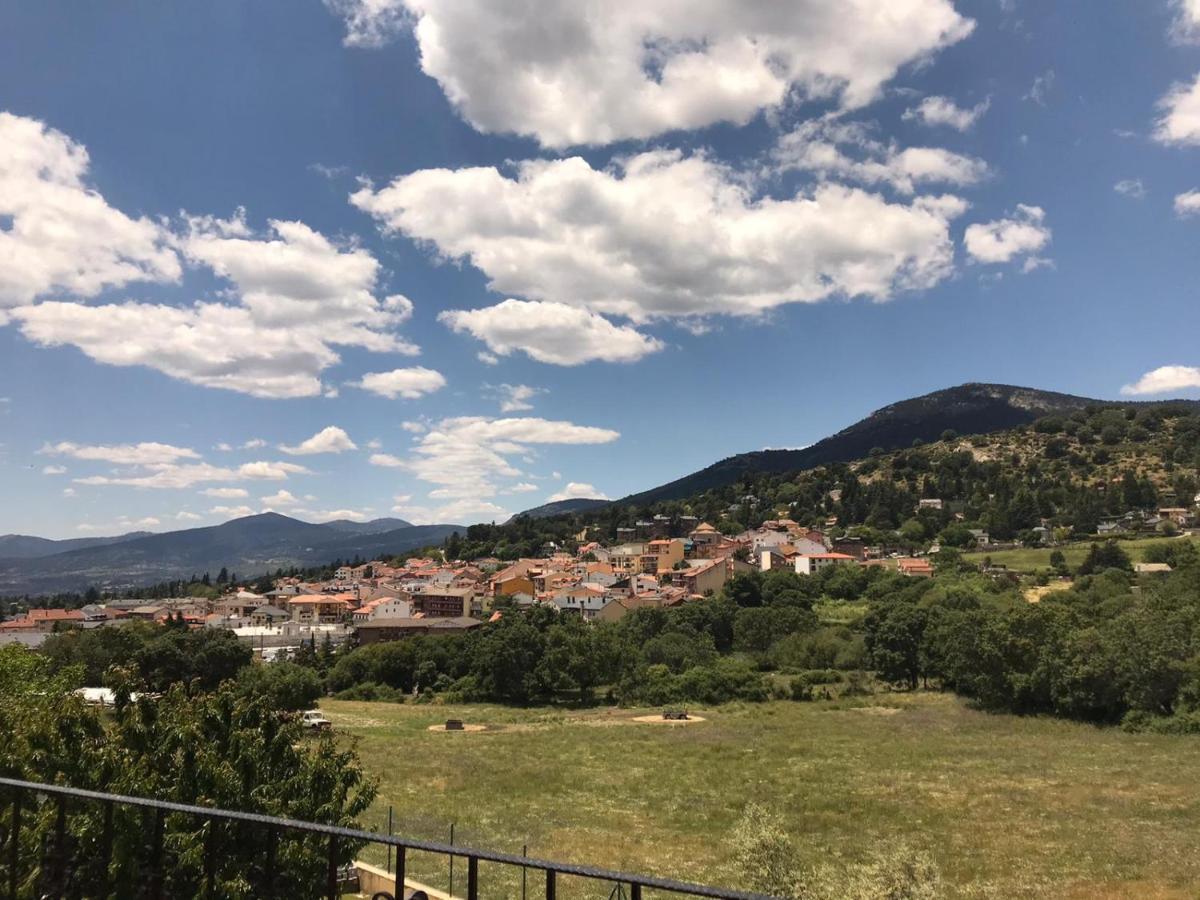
[
  {"x": 635, "y": 892},
  {"x": 331, "y": 882},
  {"x": 524, "y": 852},
  {"x": 401, "y": 866},
  {"x": 451, "y": 891},
  {"x": 472, "y": 878},
  {"x": 550, "y": 886},
  {"x": 14, "y": 847},
  {"x": 389, "y": 846}
]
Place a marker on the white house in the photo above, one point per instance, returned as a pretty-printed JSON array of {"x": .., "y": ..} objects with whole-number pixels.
[{"x": 812, "y": 563}]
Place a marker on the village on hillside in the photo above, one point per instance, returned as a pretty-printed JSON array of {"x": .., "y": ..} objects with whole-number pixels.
[{"x": 659, "y": 562}]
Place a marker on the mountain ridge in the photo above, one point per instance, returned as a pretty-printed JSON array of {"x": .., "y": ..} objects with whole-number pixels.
[
  {"x": 251, "y": 545},
  {"x": 971, "y": 408}
]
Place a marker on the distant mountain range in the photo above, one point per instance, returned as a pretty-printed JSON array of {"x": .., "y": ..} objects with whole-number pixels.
[{"x": 248, "y": 546}]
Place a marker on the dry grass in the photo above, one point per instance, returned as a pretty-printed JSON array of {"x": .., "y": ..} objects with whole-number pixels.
[{"x": 1009, "y": 807}]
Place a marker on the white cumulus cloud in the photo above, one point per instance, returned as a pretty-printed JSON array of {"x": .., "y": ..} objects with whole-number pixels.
[
  {"x": 408, "y": 383},
  {"x": 553, "y": 333},
  {"x": 1023, "y": 234},
  {"x": 818, "y": 146},
  {"x": 226, "y": 493},
  {"x": 1163, "y": 380},
  {"x": 143, "y": 454},
  {"x": 944, "y": 111},
  {"x": 1179, "y": 121},
  {"x": 575, "y": 490},
  {"x": 660, "y": 234},
  {"x": 61, "y": 235},
  {"x": 1187, "y": 204},
  {"x": 593, "y": 72},
  {"x": 330, "y": 439},
  {"x": 1131, "y": 188},
  {"x": 296, "y": 297}
]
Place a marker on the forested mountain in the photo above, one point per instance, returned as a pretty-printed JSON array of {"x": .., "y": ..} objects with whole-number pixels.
[
  {"x": 1069, "y": 471},
  {"x": 966, "y": 409},
  {"x": 249, "y": 546},
  {"x": 27, "y": 546},
  {"x": 562, "y": 507}
]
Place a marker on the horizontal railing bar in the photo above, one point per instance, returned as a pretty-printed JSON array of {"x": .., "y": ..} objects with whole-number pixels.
[{"x": 512, "y": 859}]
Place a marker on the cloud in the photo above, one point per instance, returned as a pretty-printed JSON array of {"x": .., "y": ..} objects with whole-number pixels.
[
  {"x": 1187, "y": 204},
  {"x": 1041, "y": 87},
  {"x": 1024, "y": 234},
  {"x": 280, "y": 498},
  {"x": 185, "y": 516},
  {"x": 407, "y": 383},
  {"x": 223, "y": 447},
  {"x": 593, "y": 73},
  {"x": 297, "y": 296},
  {"x": 369, "y": 23},
  {"x": 663, "y": 235},
  {"x": 1179, "y": 122},
  {"x": 553, "y": 333},
  {"x": 60, "y": 235},
  {"x": 254, "y": 444},
  {"x": 330, "y": 439},
  {"x": 488, "y": 359},
  {"x": 328, "y": 515},
  {"x": 816, "y": 146},
  {"x": 577, "y": 490},
  {"x": 464, "y": 457},
  {"x": 171, "y": 476},
  {"x": 466, "y": 511},
  {"x": 68, "y": 492},
  {"x": 1163, "y": 380},
  {"x": 232, "y": 512},
  {"x": 413, "y": 427},
  {"x": 54, "y": 470},
  {"x": 936, "y": 110},
  {"x": 144, "y": 454},
  {"x": 374, "y": 444},
  {"x": 226, "y": 493},
  {"x": 386, "y": 460},
  {"x": 513, "y": 397},
  {"x": 1131, "y": 187},
  {"x": 522, "y": 487},
  {"x": 1186, "y": 27}
]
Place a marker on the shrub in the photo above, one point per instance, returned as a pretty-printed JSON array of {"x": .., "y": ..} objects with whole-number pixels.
[{"x": 372, "y": 691}]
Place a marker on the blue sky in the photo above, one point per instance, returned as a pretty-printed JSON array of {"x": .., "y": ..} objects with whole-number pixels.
[{"x": 449, "y": 260}]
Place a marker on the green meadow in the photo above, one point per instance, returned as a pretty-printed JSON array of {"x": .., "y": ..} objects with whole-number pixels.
[{"x": 1007, "y": 806}]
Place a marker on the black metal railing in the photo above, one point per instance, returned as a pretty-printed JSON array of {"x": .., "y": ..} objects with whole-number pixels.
[{"x": 66, "y": 843}]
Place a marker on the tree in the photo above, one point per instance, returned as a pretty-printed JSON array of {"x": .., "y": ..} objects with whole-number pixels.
[
  {"x": 1108, "y": 555},
  {"x": 894, "y": 632},
  {"x": 223, "y": 749},
  {"x": 284, "y": 685}
]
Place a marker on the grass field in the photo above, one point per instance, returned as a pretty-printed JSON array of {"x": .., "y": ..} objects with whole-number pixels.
[
  {"x": 1027, "y": 560},
  {"x": 1009, "y": 807}
]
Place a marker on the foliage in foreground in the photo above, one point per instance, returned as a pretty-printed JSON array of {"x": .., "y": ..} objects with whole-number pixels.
[
  {"x": 767, "y": 862},
  {"x": 227, "y": 748}
]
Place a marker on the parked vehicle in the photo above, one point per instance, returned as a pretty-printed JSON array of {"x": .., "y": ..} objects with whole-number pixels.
[{"x": 313, "y": 719}]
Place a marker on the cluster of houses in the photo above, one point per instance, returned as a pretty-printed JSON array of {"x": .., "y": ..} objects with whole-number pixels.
[
  {"x": 659, "y": 562},
  {"x": 650, "y": 567}
]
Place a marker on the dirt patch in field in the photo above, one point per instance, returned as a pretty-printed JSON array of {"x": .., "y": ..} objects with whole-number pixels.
[
  {"x": 659, "y": 720},
  {"x": 466, "y": 728}
]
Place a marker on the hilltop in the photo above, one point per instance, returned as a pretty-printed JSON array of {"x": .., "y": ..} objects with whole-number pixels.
[{"x": 966, "y": 409}]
